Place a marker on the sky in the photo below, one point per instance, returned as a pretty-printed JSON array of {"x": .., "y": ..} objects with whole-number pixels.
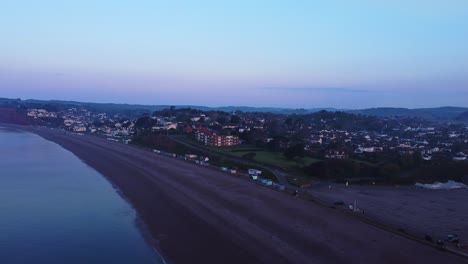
[{"x": 296, "y": 54}]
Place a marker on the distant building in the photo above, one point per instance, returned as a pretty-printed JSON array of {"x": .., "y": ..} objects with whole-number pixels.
[
  {"x": 79, "y": 129},
  {"x": 426, "y": 154},
  {"x": 254, "y": 172},
  {"x": 188, "y": 129},
  {"x": 40, "y": 113},
  {"x": 68, "y": 122},
  {"x": 211, "y": 138},
  {"x": 360, "y": 150},
  {"x": 459, "y": 156},
  {"x": 336, "y": 154}
]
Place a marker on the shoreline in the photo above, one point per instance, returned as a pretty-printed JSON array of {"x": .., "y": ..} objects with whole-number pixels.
[
  {"x": 126, "y": 211},
  {"x": 139, "y": 223},
  {"x": 143, "y": 226},
  {"x": 207, "y": 219}
]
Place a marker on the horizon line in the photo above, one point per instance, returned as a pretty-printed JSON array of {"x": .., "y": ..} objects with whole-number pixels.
[{"x": 225, "y": 106}]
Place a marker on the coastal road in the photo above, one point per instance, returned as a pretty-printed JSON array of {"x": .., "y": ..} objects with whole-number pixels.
[
  {"x": 278, "y": 172},
  {"x": 198, "y": 215}
]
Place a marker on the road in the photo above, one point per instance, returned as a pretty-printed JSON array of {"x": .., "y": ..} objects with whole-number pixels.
[{"x": 279, "y": 173}]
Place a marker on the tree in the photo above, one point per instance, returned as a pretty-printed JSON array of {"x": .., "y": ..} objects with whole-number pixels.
[
  {"x": 144, "y": 122},
  {"x": 390, "y": 171},
  {"x": 407, "y": 161},
  {"x": 235, "y": 119},
  {"x": 317, "y": 169},
  {"x": 221, "y": 120},
  {"x": 294, "y": 151},
  {"x": 274, "y": 127},
  {"x": 250, "y": 155}
]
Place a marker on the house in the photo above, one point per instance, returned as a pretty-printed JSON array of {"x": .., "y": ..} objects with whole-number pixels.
[
  {"x": 426, "y": 155},
  {"x": 188, "y": 129},
  {"x": 170, "y": 125},
  {"x": 79, "y": 129},
  {"x": 360, "y": 150},
  {"x": 336, "y": 154},
  {"x": 459, "y": 156},
  {"x": 68, "y": 122}
]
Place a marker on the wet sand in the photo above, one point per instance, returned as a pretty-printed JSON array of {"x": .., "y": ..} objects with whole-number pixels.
[{"x": 198, "y": 215}]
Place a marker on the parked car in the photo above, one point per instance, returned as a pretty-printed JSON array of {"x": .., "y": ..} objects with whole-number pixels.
[{"x": 453, "y": 238}]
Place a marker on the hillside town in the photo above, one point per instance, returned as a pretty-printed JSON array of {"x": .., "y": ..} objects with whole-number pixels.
[{"x": 327, "y": 135}]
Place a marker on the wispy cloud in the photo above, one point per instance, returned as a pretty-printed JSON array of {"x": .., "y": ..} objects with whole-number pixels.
[{"x": 320, "y": 89}]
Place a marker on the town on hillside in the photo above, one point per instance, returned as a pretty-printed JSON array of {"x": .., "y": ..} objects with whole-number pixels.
[{"x": 330, "y": 145}]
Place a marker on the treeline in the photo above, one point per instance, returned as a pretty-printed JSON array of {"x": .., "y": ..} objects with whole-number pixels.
[
  {"x": 12, "y": 116},
  {"x": 401, "y": 171}
]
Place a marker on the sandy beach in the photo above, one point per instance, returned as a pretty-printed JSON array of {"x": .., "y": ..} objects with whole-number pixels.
[{"x": 197, "y": 215}]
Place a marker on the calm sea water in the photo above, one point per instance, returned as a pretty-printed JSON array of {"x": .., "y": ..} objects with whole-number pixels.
[{"x": 56, "y": 209}]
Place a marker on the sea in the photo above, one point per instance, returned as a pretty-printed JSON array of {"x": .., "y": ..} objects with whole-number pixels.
[{"x": 56, "y": 209}]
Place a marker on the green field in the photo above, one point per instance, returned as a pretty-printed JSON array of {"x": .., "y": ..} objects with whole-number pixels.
[
  {"x": 275, "y": 158},
  {"x": 267, "y": 157}
]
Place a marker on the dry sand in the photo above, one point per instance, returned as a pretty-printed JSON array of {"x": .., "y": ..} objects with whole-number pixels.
[{"x": 199, "y": 215}]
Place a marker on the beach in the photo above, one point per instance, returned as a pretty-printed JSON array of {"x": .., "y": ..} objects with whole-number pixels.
[{"x": 198, "y": 215}]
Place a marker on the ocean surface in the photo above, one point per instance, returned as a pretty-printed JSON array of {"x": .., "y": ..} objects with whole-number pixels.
[{"x": 56, "y": 209}]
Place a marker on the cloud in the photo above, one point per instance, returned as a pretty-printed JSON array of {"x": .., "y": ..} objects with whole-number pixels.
[{"x": 320, "y": 89}]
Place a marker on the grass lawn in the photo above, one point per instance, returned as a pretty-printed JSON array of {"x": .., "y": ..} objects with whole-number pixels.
[
  {"x": 364, "y": 162},
  {"x": 272, "y": 158},
  {"x": 276, "y": 158},
  {"x": 234, "y": 149}
]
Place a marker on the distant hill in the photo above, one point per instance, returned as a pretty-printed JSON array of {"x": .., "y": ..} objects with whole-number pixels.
[
  {"x": 438, "y": 113},
  {"x": 106, "y": 107},
  {"x": 268, "y": 109},
  {"x": 447, "y": 113},
  {"x": 462, "y": 117}
]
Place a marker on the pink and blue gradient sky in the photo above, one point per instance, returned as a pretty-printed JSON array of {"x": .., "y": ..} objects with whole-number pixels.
[{"x": 345, "y": 54}]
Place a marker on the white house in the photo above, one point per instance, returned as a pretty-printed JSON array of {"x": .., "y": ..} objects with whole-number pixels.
[
  {"x": 254, "y": 172},
  {"x": 459, "y": 156}
]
